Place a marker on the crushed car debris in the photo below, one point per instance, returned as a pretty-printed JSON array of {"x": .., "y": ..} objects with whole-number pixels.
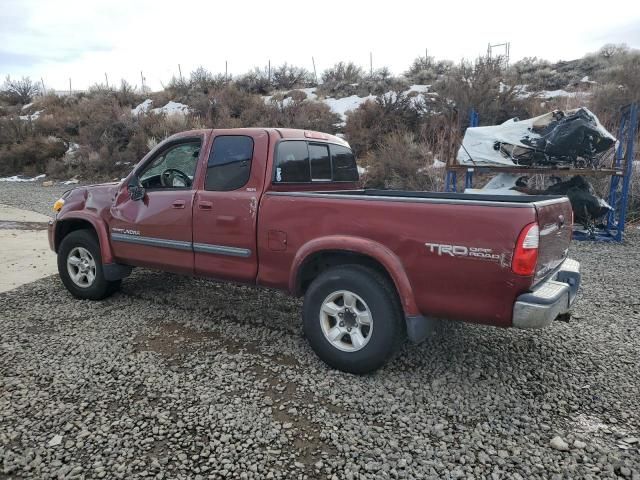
[{"x": 560, "y": 138}]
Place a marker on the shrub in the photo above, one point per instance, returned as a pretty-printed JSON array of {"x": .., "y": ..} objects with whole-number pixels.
[
  {"x": 401, "y": 162},
  {"x": 287, "y": 77},
  {"x": 31, "y": 155},
  {"x": 20, "y": 91}
]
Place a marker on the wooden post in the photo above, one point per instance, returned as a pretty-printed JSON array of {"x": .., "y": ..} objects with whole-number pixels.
[{"x": 315, "y": 74}]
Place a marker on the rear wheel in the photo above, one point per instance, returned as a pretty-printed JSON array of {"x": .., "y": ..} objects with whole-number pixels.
[
  {"x": 352, "y": 318},
  {"x": 80, "y": 267}
]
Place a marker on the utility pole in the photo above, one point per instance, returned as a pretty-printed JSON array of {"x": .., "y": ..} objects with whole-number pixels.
[
  {"x": 142, "y": 81},
  {"x": 180, "y": 72},
  {"x": 315, "y": 74},
  {"x": 69, "y": 86},
  {"x": 269, "y": 74},
  {"x": 226, "y": 71},
  {"x": 371, "y": 63},
  {"x": 44, "y": 90},
  {"x": 106, "y": 79}
]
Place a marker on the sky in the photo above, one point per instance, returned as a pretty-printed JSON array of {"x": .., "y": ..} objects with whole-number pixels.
[{"x": 83, "y": 40}]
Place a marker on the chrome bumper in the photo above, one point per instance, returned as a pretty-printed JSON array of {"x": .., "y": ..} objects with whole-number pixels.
[{"x": 551, "y": 298}]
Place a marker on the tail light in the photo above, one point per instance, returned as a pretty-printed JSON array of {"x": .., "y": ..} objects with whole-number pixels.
[{"x": 525, "y": 255}]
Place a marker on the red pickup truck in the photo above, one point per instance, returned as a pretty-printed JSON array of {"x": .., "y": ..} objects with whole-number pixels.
[{"x": 281, "y": 208}]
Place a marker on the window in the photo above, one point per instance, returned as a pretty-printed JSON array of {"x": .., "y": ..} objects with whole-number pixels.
[
  {"x": 299, "y": 161},
  {"x": 229, "y": 164},
  {"x": 293, "y": 162},
  {"x": 172, "y": 168},
  {"x": 320, "y": 162},
  {"x": 344, "y": 164}
]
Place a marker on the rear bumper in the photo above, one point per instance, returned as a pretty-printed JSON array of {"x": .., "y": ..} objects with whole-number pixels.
[{"x": 538, "y": 308}]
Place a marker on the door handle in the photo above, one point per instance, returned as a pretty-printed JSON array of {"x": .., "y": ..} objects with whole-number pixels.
[
  {"x": 178, "y": 204},
  {"x": 205, "y": 205}
]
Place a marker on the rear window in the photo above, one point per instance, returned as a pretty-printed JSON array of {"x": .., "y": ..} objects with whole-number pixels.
[
  {"x": 344, "y": 164},
  {"x": 229, "y": 164},
  {"x": 299, "y": 161}
]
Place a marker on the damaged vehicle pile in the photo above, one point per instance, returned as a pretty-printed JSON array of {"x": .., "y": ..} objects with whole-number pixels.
[{"x": 572, "y": 139}]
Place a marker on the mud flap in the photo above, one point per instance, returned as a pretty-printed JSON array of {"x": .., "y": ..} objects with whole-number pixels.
[{"x": 419, "y": 327}]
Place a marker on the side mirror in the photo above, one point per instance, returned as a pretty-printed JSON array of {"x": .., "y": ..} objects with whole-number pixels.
[{"x": 135, "y": 189}]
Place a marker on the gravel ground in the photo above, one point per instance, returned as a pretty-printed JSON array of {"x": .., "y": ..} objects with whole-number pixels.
[
  {"x": 185, "y": 378},
  {"x": 32, "y": 195}
]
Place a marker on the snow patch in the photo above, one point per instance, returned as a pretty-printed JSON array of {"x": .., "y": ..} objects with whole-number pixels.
[
  {"x": 22, "y": 178},
  {"x": 143, "y": 107},
  {"x": 343, "y": 105},
  {"x": 173, "y": 108},
  {"x": 32, "y": 117}
]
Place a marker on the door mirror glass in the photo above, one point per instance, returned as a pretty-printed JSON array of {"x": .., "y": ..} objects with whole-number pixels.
[{"x": 135, "y": 189}]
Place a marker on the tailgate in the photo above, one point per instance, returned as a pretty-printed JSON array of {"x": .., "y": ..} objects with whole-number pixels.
[{"x": 554, "y": 219}]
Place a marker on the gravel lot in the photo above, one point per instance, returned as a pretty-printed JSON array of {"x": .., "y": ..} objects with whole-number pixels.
[{"x": 186, "y": 378}]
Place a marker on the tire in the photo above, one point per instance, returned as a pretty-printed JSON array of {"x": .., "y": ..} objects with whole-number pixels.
[
  {"x": 368, "y": 348},
  {"x": 83, "y": 245}
]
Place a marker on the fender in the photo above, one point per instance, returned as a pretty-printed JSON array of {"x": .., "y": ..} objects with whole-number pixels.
[
  {"x": 362, "y": 246},
  {"x": 98, "y": 225}
]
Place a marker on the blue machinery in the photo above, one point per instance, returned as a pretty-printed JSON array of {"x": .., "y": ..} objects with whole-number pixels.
[{"x": 620, "y": 174}]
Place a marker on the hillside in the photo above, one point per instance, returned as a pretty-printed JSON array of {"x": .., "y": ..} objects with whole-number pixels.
[{"x": 401, "y": 127}]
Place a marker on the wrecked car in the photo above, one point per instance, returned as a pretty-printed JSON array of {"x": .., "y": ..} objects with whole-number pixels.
[{"x": 559, "y": 138}]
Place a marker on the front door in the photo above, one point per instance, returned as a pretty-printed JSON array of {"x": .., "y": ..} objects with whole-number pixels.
[
  {"x": 226, "y": 209},
  {"x": 157, "y": 230}
]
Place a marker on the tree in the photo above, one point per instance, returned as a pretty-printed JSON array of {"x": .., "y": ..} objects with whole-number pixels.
[{"x": 19, "y": 91}]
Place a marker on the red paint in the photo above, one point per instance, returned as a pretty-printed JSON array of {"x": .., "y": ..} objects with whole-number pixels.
[{"x": 282, "y": 231}]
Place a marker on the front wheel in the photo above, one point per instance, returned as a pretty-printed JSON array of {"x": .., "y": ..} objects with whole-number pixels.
[
  {"x": 80, "y": 267},
  {"x": 352, "y": 318}
]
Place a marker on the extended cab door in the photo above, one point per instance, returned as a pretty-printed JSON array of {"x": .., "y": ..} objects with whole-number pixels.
[
  {"x": 156, "y": 230},
  {"x": 226, "y": 209}
]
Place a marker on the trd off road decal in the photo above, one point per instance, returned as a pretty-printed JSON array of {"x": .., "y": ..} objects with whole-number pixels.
[
  {"x": 479, "y": 253},
  {"x": 126, "y": 231}
]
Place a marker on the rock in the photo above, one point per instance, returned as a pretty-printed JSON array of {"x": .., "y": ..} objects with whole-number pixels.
[
  {"x": 48, "y": 183},
  {"x": 559, "y": 444},
  {"x": 55, "y": 441},
  {"x": 579, "y": 444}
]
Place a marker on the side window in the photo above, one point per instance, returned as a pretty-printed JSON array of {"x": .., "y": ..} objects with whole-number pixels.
[
  {"x": 320, "y": 162},
  {"x": 173, "y": 168},
  {"x": 229, "y": 164},
  {"x": 292, "y": 163},
  {"x": 344, "y": 164}
]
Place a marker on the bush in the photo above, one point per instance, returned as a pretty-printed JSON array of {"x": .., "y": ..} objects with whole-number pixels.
[
  {"x": 30, "y": 156},
  {"x": 19, "y": 92},
  {"x": 403, "y": 163}
]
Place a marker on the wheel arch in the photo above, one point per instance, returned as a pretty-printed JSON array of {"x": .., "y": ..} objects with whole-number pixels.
[
  {"x": 73, "y": 223},
  {"x": 320, "y": 254}
]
